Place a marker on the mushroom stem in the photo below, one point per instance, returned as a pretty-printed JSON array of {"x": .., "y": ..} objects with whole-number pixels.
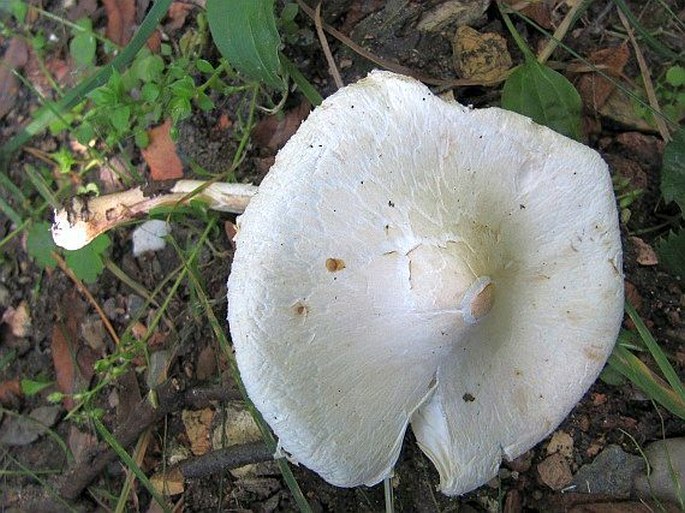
[
  {"x": 478, "y": 300},
  {"x": 85, "y": 218}
]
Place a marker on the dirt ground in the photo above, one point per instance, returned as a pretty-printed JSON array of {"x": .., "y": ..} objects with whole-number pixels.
[{"x": 52, "y": 333}]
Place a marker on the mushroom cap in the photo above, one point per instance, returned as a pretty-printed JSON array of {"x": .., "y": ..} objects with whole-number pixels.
[{"x": 410, "y": 260}]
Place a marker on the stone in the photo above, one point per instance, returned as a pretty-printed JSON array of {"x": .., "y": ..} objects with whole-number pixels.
[
  {"x": 610, "y": 473},
  {"x": 666, "y": 480}
]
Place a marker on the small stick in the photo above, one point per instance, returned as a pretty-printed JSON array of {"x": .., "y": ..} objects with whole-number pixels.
[
  {"x": 85, "y": 218},
  {"x": 332, "y": 68},
  {"x": 646, "y": 79}
]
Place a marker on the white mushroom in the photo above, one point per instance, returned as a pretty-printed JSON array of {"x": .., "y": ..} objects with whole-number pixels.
[{"x": 409, "y": 260}]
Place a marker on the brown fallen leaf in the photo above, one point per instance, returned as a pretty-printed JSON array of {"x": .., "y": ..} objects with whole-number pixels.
[
  {"x": 645, "y": 253},
  {"x": 18, "y": 319},
  {"x": 177, "y": 14},
  {"x": 15, "y": 59},
  {"x": 272, "y": 132},
  {"x": 482, "y": 57},
  {"x": 198, "y": 429},
  {"x": 562, "y": 443},
  {"x": 10, "y": 393},
  {"x": 161, "y": 155},
  {"x": 121, "y": 20},
  {"x": 595, "y": 89},
  {"x": 168, "y": 483},
  {"x": 555, "y": 471},
  {"x": 73, "y": 361}
]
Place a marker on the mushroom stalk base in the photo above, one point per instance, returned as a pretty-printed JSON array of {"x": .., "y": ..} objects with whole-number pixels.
[
  {"x": 478, "y": 300},
  {"x": 86, "y": 218}
]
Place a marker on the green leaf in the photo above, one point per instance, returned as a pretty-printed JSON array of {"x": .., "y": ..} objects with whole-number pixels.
[
  {"x": 82, "y": 46},
  {"x": 184, "y": 88},
  {"x": 179, "y": 108},
  {"x": 148, "y": 68},
  {"x": 150, "y": 92},
  {"x": 671, "y": 252},
  {"x": 675, "y": 76},
  {"x": 545, "y": 96},
  {"x": 204, "y": 66},
  {"x": 87, "y": 262},
  {"x": 245, "y": 33},
  {"x": 673, "y": 170},
  {"x": 40, "y": 245},
  {"x": 119, "y": 117},
  {"x": 30, "y": 387}
]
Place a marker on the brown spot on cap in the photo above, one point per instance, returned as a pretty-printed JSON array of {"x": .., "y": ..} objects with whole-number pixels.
[
  {"x": 334, "y": 265},
  {"x": 300, "y": 308}
]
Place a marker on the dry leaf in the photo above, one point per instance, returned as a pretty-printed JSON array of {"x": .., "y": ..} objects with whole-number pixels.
[
  {"x": 18, "y": 319},
  {"x": 168, "y": 483},
  {"x": 15, "y": 58},
  {"x": 198, "y": 424},
  {"x": 562, "y": 443},
  {"x": 271, "y": 133},
  {"x": 594, "y": 89},
  {"x": 121, "y": 20},
  {"x": 177, "y": 14},
  {"x": 161, "y": 155},
  {"x": 10, "y": 393},
  {"x": 481, "y": 57},
  {"x": 645, "y": 254},
  {"x": 555, "y": 471},
  {"x": 73, "y": 362}
]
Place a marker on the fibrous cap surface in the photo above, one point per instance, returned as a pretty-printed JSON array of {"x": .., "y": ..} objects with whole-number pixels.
[{"x": 409, "y": 260}]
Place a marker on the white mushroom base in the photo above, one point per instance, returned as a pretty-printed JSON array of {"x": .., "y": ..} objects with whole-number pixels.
[{"x": 409, "y": 260}]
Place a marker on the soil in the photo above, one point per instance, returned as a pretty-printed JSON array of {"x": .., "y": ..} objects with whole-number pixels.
[{"x": 186, "y": 349}]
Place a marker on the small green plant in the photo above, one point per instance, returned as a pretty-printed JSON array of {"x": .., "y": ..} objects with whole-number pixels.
[
  {"x": 542, "y": 94},
  {"x": 663, "y": 387},
  {"x": 671, "y": 249}
]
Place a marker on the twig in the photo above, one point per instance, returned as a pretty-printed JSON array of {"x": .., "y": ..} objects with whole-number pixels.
[
  {"x": 230, "y": 457},
  {"x": 561, "y": 30},
  {"x": 86, "y": 293},
  {"x": 171, "y": 397},
  {"x": 86, "y": 218},
  {"x": 332, "y": 68},
  {"x": 646, "y": 79}
]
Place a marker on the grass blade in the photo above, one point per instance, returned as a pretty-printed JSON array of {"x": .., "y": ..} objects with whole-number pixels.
[
  {"x": 630, "y": 366},
  {"x": 129, "y": 462}
]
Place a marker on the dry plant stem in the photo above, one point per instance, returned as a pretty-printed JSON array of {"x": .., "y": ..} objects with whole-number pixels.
[
  {"x": 171, "y": 397},
  {"x": 646, "y": 79},
  {"x": 332, "y": 68},
  {"x": 86, "y": 218},
  {"x": 392, "y": 66},
  {"x": 86, "y": 293},
  {"x": 561, "y": 31},
  {"x": 231, "y": 457}
]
